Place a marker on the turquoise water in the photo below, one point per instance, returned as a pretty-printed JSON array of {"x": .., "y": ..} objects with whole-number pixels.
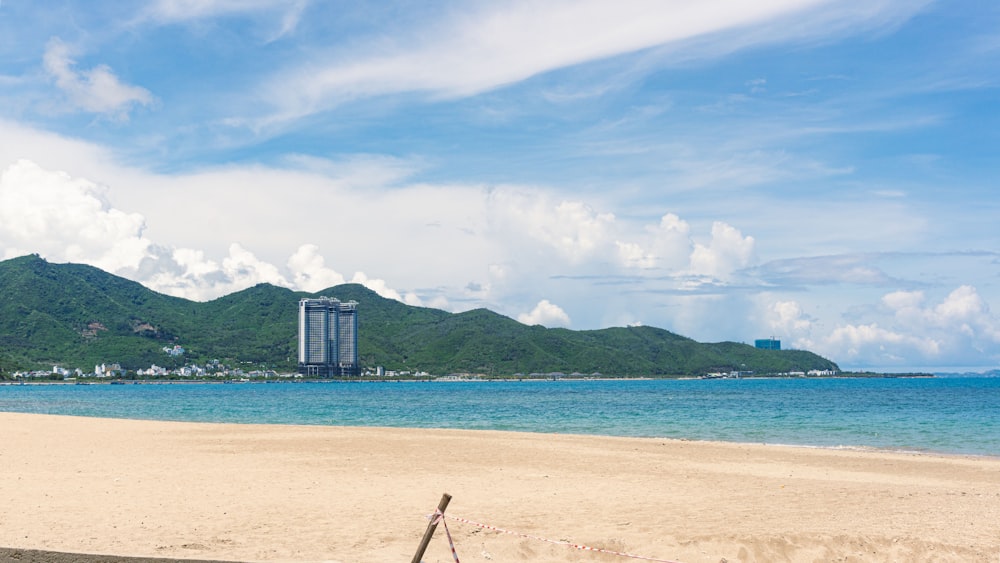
[{"x": 948, "y": 415}]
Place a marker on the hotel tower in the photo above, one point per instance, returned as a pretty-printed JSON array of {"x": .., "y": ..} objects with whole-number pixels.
[{"x": 328, "y": 338}]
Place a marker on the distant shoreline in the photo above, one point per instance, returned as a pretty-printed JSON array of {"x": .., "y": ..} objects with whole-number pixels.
[{"x": 449, "y": 379}]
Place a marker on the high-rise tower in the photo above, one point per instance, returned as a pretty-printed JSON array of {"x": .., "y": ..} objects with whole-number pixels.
[{"x": 328, "y": 337}]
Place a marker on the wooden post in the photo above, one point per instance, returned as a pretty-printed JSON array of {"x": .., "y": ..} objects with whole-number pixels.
[{"x": 429, "y": 533}]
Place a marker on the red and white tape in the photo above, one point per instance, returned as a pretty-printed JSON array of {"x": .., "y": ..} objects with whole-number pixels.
[{"x": 438, "y": 516}]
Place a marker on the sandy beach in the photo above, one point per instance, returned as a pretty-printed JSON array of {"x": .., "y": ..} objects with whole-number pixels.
[{"x": 297, "y": 493}]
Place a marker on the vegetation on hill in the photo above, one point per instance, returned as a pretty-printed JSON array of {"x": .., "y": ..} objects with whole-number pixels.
[{"x": 79, "y": 316}]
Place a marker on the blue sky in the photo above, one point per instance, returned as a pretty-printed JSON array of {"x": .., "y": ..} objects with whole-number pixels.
[{"x": 822, "y": 172}]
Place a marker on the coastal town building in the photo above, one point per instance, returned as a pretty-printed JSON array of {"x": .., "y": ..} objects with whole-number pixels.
[{"x": 328, "y": 337}]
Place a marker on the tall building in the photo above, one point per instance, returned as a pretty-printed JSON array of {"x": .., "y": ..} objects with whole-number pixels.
[
  {"x": 328, "y": 337},
  {"x": 767, "y": 344}
]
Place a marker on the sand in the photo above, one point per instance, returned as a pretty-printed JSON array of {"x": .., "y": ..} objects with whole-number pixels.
[{"x": 305, "y": 493}]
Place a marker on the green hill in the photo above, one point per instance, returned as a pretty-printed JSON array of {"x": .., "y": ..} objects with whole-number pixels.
[{"x": 79, "y": 316}]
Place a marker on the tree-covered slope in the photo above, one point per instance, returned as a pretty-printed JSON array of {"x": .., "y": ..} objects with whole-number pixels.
[
  {"x": 77, "y": 315},
  {"x": 74, "y": 313}
]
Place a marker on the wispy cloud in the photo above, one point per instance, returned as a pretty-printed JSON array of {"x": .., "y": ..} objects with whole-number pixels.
[
  {"x": 97, "y": 90},
  {"x": 857, "y": 269},
  {"x": 177, "y": 10},
  {"x": 173, "y": 11},
  {"x": 488, "y": 46}
]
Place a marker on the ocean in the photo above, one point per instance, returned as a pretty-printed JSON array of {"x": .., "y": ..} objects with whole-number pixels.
[{"x": 954, "y": 415}]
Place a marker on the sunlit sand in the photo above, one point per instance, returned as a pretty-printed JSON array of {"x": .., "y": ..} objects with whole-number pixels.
[{"x": 296, "y": 493}]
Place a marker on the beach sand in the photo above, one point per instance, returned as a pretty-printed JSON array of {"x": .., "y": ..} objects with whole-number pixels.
[{"x": 309, "y": 493}]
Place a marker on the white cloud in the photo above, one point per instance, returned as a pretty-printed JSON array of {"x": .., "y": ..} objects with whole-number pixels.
[
  {"x": 964, "y": 306},
  {"x": 372, "y": 171},
  {"x": 193, "y": 263},
  {"x": 179, "y": 10},
  {"x": 547, "y": 314},
  {"x": 873, "y": 343},
  {"x": 576, "y": 229},
  {"x": 516, "y": 243},
  {"x": 572, "y": 229},
  {"x": 727, "y": 252},
  {"x": 97, "y": 90},
  {"x": 633, "y": 256},
  {"x": 65, "y": 218},
  {"x": 757, "y": 85},
  {"x": 309, "y": 270},
  {"x": 187, "y": 273},
  {"x": 382, "y": 288},
  {"x": 960, "y": 328},
  {"x": 898, "y": 300},
  {"x": 478, "y": 47},
  {"x": 825, "y": 270},
  {"x": 672, "y": 241},
  {"x": 172, "y": 11},
  {"x": 963, "y": 311},
  {"x": 54, "y": 152},
  {"x": 243, "y": 265},
  {"x": 788, "y": 318},
  {"x": 669, "y": 246}
]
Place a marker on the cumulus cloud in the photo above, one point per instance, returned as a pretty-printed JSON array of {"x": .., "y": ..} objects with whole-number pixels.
[
  {"x": 525, "y": 242},
  {"x": 727, "y": 252},
  {"x": 871, "y": 342},
  {"x": 68, "y": 219},
  {"x": 963, "y": 311},
  {"x": 965, "y": 308},
  {"x": 571, "y": 229},
  {"x": 547, "y": 314},
  {"x": 788, "y": 318},
  {"x": 671, "y": 241},
  {"x": 382, "y": 288},
  {"x": 960, "y": 326},
  {"x": 632, "y": 255},
  {"x": 241, "y": 264},
  {"x": 544, "y": 233},
  {"x": 309, "y": 270},
  {"x": 189, "y": 274},
  {"x": 668, "y": 245},
  {"x": 97, "y": 90}
]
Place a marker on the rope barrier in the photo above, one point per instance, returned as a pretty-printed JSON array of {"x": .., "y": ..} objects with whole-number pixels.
[
  {"x": 443, "y": 517},
  {"x": 439, "y": 517}
]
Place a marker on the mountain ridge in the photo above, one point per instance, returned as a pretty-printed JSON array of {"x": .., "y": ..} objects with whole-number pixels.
[{"x": 80, "y": 315}]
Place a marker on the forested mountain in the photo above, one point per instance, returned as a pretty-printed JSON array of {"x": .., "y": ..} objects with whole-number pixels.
[{"x": 78, "y": 316}]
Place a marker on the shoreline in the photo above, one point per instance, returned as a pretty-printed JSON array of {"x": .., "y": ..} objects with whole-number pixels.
[
  {"x": 234, "y": 492},
  {"x": 807, "y": 446},
  {"x": 845, "y": 448},
  {"x": 470, "y": 379}
]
